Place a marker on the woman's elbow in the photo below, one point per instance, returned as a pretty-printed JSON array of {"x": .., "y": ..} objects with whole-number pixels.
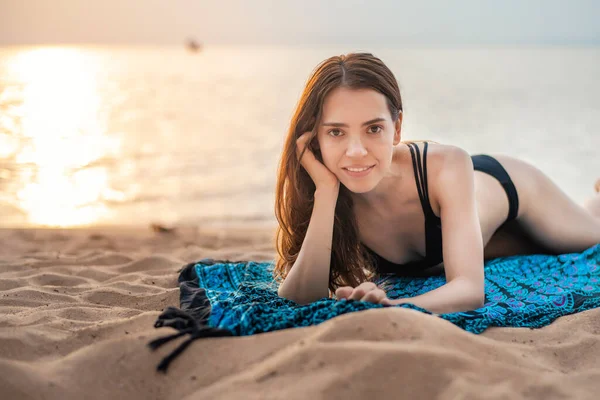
[
  {"x": 478, "y": 297},
  {"x": 479, "y": 302},
  {"x": 298, "y": 298},
  {"x": 475, "y": 293}
]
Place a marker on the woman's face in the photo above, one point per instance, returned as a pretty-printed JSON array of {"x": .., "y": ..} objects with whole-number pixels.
[{"x": 356, "y": 136}]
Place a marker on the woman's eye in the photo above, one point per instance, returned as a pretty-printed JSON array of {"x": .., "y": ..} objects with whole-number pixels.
[
  {"x": 335, "y": 132},
  {"x": 376, "y": 130}
]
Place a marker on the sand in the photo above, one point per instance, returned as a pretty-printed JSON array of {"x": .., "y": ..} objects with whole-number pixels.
[{"x": 78, "y": 306}]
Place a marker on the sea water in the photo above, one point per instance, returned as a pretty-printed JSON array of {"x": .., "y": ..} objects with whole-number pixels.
[{"x": 139, "y": 135}]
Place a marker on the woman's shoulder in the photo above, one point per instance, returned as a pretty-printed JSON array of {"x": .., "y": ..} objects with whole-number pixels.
[
  {"x": 445, "y": 162},
  {"x": 440, "y": 156}
]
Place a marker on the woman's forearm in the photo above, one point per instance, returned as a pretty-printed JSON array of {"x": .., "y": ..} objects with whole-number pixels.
[
  {"x": 456, "y": 295},
  {"x": 308, "y": 279}
]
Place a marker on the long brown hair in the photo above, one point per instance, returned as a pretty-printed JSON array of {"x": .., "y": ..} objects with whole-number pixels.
[{"x": 350, "y": 263}]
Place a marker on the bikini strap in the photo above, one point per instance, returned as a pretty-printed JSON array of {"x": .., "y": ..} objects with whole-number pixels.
[{"x": 421, "y": 178}]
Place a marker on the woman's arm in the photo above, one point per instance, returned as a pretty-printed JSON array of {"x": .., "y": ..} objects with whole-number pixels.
[
  {"x": 462, "y": 239},
  {"x": 456, "y": 295},
  {"x": 308, "y": 278}
]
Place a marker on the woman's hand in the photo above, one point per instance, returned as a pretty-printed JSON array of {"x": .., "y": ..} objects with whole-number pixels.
[
  {"x": 319, "y": 173},
  {"x": 366, "y": 291}
]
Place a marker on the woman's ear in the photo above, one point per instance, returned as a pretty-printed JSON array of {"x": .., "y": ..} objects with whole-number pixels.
[{"x": 398, "y": 129}]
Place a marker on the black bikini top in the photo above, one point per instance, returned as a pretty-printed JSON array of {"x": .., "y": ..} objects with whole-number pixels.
[{"x": 433, "y": 225}]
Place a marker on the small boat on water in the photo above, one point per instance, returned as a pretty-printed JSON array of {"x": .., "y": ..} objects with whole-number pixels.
[{"x": 193, "y": 45}]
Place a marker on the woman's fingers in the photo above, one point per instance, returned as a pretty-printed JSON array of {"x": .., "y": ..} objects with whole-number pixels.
[
  {"x": 301, "y": 144},
  {"x": 374, "y": 296},
  {"x": 343, "y": 292},
  {"x": 319, "y": 173},
  {"x": 306, "y": 157},
  {"x": 386, "y": 302},
  {"x": 366, "y": 291},
  {"x": 361, "y": 290}
]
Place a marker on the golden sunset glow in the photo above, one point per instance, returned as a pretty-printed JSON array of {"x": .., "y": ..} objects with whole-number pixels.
[{"x": 62, "y": 132}]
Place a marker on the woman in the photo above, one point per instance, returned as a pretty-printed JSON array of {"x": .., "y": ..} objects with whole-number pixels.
[{"x": 354, "y": 202}]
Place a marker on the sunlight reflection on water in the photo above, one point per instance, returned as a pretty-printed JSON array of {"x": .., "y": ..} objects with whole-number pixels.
[{"x": 60, "y": 132}]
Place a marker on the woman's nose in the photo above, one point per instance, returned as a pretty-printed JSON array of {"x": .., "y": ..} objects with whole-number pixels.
[{"x": 355, "y": 148}]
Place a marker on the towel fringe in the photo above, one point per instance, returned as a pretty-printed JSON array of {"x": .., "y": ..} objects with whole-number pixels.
[{"x": 186, "y": 324}]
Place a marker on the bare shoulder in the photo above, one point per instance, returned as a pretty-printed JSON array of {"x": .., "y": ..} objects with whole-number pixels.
[
  {"x": 444, "y": 158},
  {"x": 446, "y": 164}
]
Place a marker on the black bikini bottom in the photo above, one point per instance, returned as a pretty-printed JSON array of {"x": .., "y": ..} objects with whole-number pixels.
[{"x": 491, "y": 166}]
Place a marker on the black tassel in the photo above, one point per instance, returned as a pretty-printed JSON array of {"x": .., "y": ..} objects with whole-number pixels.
[
  {"x": 185, "y": 324},
  {"x": 164, "y": 364},
  {"x": 156, "y": 343},
  {"x": 175, "y": 318}
]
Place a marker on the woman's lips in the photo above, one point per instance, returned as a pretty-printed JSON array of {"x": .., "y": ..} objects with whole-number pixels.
[{"x": 359, "y": 174}]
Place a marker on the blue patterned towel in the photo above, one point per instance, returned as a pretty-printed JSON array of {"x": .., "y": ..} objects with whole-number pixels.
[{"x": 226, "y": 298}]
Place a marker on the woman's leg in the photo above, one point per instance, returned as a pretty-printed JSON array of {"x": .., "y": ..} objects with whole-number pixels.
[
  {"x": 593, "y": 203},
  {"x": 500, "y": 238},
  {"x": 549, "y": 216},
  {"x": 511, "y": 239}
]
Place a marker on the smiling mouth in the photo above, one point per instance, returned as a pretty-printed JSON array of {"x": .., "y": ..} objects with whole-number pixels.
[{"x": 359, "y": 169}]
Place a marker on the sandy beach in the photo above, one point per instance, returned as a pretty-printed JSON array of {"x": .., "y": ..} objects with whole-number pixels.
[
  {"x": 78, "y": 308},
  {"x": 153, "y": 135}
]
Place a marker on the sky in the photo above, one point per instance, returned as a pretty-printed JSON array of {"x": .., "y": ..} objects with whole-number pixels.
[{"x": 302, "y": 22}]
